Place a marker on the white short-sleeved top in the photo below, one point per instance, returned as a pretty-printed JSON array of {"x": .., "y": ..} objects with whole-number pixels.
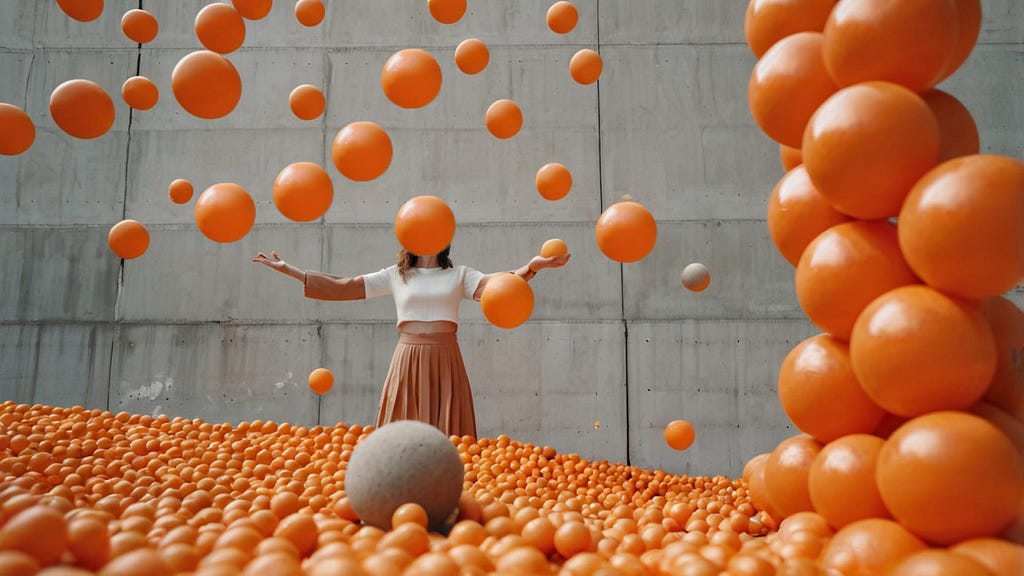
[{"x": 427, "y": 294}]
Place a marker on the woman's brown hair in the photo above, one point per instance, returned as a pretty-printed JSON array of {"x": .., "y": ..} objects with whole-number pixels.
[{"x": 406, "y": 260}]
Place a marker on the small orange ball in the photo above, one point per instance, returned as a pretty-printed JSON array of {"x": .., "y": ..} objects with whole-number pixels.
[
  {"x": 225, "y": 212},
  {"x": 507, "y": 300},
  {"x": 553, "y": 181},
  {"x": 504, "y": 119},
  {"x": 585, "y": 66},
  {"x": 321, "y": 380},
  {"x": 303, "y": 191},
  {"x": 553, "y": 248},
  {"x": 82, "y": 109},
  {"x": 220, "y": 28},
  {"x": 425, "y": 225},
  {"x": 140, "y": 93},
  {"x": 679, "y": 434},
  {"x": 180, "y": 191},
  {"x": 626, "y": 232},
  {"x": 472, "y": 56},
  {"x": 139, "y": 26},
  {"x": 562, "y": 17},
  {"x": 447, "y": 11},
  {"x": 411, "y": 78},
  {"x": 310, "y": 12},
  {"x": 17, "y": 131},
  {"x": 307, "y": 102},
  {"x": 206, "y": 85},
  {"x": 361, "y": 151},
  {"x": 695, "y": 277},
  {"x": 128, "y": 239}
]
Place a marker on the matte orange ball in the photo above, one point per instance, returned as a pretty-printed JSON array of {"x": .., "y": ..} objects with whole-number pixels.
[
  {"x": 139, "y": 26},
  {"x": 411, "y": 78},
  {"x": 180, "y": 191},
  {"x": 128, "y": 239},
  {"x": 507, "y": 300},
  {"x": 17, "y": 131},
  {"x": 361, "y": 151},
  {"x": 472, "y": 56},
  {"x": 253, "y": 9},
  {"x": 425, "y": 225},
  {"x": 447, "y": 11},
  {"x": 225, "y": 212},
  {"x": 626, "y": 231},
  {"x": 679, "y": 434},
  {"x": 321, "y": 380},
  {"x": 206, "y": 85},
  {"x": 82, "y": 109},
  {"x": 768, "y": 21},
  {"x": 553, "y": 248},
  {"x": 798, "y": 213},
  {"x": 307, "y": 102},
  {"x": 140, "y": 93},
  {"x": 961, "y": 226},
  {"x": 303, "y": 191},
  {"x": 585, "y": 66},
  {"x": 553, "y": 181},
  {"x": 562, "y": 17},
  {"x": 841, "y": 481},
  {"x": 220, "y": 28},
  {"x": 81, "y": 10},
  {"x": 504, "y": 119},
  {"x": 310, "y": 12}
]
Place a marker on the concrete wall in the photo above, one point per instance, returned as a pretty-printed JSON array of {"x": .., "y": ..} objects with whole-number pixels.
[{"x": 612, "y": 352}]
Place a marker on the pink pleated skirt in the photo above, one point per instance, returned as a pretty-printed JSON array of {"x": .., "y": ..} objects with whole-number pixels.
[{"x": 427, "y": 381}]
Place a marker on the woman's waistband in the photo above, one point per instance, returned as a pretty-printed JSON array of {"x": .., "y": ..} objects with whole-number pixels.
[{"x": 421, "y": 339}]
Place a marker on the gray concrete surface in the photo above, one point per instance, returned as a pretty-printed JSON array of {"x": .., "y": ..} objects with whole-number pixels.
[{"x": 612, "y": 352}]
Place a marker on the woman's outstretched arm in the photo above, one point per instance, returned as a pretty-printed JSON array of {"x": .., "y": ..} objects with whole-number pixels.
[
  {"x": 317, "y": 285},
  {"x": 528, "y": 271}
]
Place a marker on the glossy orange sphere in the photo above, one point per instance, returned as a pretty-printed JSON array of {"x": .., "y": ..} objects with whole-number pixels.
[
  {"x": 361, "y": 151},
  {"x": 425, "y": 225},
  {"x": 626, "y": 231},
  {"x": 225, "y": 212},
  {"x": 411, "y": 78},
  {"x": 507, "y": 300}
]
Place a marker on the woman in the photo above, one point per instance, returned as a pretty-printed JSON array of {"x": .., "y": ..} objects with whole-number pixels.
[{"x": 427, "y": 380}]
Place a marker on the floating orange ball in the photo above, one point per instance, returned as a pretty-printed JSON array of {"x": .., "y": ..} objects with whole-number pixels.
[
  {"x": 553, "y": 181},
  {"x": 180, "y": 191},
  {"x": 504, "y": 119},
  {"x": 17, "y": 131},
  {"x": 361, "y": 151},
  {"x": 81, "y": 10},
  {"x": 768, "y": 21},
  {"x": 310, "y": 12},
  {"x": 626, "y": 231},
  {"x": 798, "y": 213},
  {"x": 139, "y": 26},
  {"x": 225, "y": 212},
  {"x": 867, "y": 145},
  {"x": 562, "y": 17},
  {"x": 553, "y": 248},
  {"x": 307, "y": 102},
  {"x": 916, "y": 350},
  {"x": 303, "y": 191},
  {"x": 206, "y": 85},
  {"x": 910, "y": 42},
  {"x": 128, "y": 239},
  {"x": 695, "y": 277},
  {"x": 411, "y": 78},
  {"x": 472, "y": 56},
  {"x": 950, "y": 476},
  {"x": 585, "y": 66},
  {"x": 425, "y": 225},
  {"x": 841, "y": 481},
  {"x": 958, "y": 134},
  {"x": 447, "y": 11},
  {"x": 220, "y": 28},
  {"x": 787, "y": 86},
  {"x": 507, "y": 300},
  {"x": 140, "y": 93},
  {"x": 321, "y": 380},
  {"x": 82, "y": 109},
  {"x": 679, "y": 434},
  {"x": 253, "y": 9},
  {"x": 961, "y": 226}
]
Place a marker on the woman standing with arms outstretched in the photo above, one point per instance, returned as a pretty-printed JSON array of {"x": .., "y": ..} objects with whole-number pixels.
[{"x": 427, "y": 380}]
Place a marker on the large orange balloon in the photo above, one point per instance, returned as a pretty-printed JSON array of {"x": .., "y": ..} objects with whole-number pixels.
[
  {"x": 626, "y": 231},
  {"x": 841, "y": 481},
  {"x": 585, "y": 66},
  {"x": 225, "y": 212},
  {"x": 950, "y": 476},
  {"x": 128, "y": 239},
  {"x": 472, "y": 56},
  {"x": 1002, "y": 558},
  {"x": 968, "y": 25},
  {"x": 787, "y": 85},
  {"x": 962, "y": 226},
  {"x": 867, "y": 145},
  {"x": 679, "y": 434},
  {"x": 82, "y": 108},
  {"x": 786, "y": 472},
  {"x": 447, "y": 11},
  {"x": 820, "y": 394},
  {"x": 206, "y": 84},
  {"x": 562, "y": 17},
  {"x": 140, "y": 93},
  {"x": 868, "y": 547},
  {"x": 303, "y": 191},
  {"x": 81, "y": 10},
  {"x": 507, "y": 300},
  {"x": 768, "y": 21},
  {"x": 220, "y": 28},
  {"x": 424, "y": 225},
  {"x": 411, "y": 78},
  {"x": 307, "y": 102},
  {"x": 958, "y": 134},
  {"x": 553, "y": 181},
  {"x": 1007, "y": 388},
  {"x": 844, "y": 269},
  {"x": 910, "y": 42},
  {"x": 503, "y": 118},
  {"x": 253, "y": 9},
  {"x": 361, "y": 151},
  {"x": 798, "y": 213},
  {"x": 17, "y": 132},
  {"x": 139, "y": 26},
  {"x": 916, "y": 350}
]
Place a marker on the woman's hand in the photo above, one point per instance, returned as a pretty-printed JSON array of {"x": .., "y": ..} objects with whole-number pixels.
[
  {"x": 274, "y": 262},
  {"x": 537, "y": 262}
]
